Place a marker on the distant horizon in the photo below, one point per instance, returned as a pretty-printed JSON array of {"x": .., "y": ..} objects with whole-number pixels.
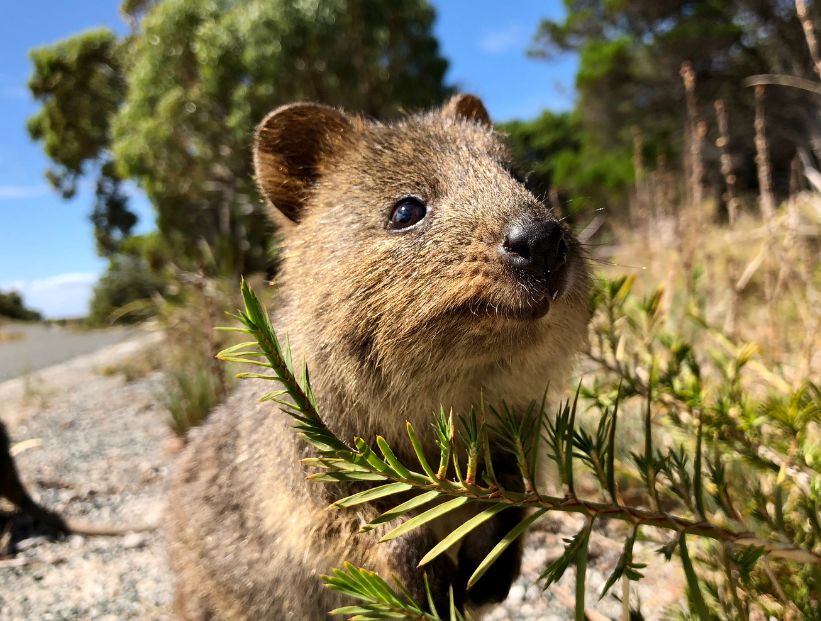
[{"x": 47, "y": 247}]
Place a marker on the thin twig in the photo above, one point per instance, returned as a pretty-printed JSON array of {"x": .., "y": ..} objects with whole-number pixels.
[
  {"x": 809, "y": 34},
  {"x": 778, "y": 79},
  {"x": 723, "y": 144},
  {"x": 697, "y": 132},
  {"x": 762, "y": 158}
]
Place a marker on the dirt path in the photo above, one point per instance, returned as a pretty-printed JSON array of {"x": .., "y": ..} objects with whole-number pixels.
[{"x": 104, "y": 455}]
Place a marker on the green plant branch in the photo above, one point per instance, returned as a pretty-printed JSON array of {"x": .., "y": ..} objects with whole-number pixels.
[
  {"x": 733, "y": 438},
  {"x": 257, "y": 323},
  {"x": 635, "y": 516}
]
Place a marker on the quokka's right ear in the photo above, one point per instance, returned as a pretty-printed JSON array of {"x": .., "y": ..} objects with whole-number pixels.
[
  {"x": 467, "y": 107},
  {"x": 289, "y": 146}
]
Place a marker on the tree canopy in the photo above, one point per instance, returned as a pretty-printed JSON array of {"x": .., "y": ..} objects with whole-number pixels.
[
  {"x": 81, "y": 85},
  {"x": 13, "y": 307},
  {"x": 172, "y": 106},
  {"x": 630, "y": 55}
]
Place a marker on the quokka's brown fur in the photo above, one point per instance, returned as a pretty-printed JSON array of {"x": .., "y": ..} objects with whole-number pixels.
[{"x": 392, "y": 323}]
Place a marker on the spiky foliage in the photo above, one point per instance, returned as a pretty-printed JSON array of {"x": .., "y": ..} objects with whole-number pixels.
[
  {"x": 741, "y": 443},
  {"x": 768, "y": 540}
]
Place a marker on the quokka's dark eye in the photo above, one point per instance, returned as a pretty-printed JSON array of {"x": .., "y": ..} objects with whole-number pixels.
[{"x": 407, "y": 212}]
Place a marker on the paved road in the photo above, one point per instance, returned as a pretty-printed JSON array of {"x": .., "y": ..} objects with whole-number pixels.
[{"x": 35, "y": 346}]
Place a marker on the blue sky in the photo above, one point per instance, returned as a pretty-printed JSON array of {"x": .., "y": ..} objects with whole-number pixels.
[{"x": 47, "y": 244}]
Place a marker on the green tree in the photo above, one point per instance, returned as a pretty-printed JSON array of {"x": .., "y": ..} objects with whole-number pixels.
[
  {"x": 12, "y": 307},
  {"x": 81, "y": 85},
  {"x": 630, "y": 54},
  {"x": 173, "y": 105},
  {"x": 535, "y": 145},
  {"x": 554, "y": 153},
  {"x": 135, "y": 277}
]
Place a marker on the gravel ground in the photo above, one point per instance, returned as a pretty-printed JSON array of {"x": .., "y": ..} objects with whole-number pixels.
[
  {"x": 101, "y": 453},
  {"x": 103, "y": 458}
]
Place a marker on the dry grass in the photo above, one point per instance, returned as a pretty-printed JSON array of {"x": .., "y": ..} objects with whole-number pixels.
[
  {"x": 194, "y": 381},
  {"x": 759, "y": 282},
  {"x": 36, "y": 392},
  {"x": 756, "y": 282},
  {"x": 140, "y": 365},
  {"x": 7, "y": 336}
]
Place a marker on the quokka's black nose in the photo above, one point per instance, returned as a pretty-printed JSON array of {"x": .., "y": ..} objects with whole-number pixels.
[{"x": 537, "y": 247}]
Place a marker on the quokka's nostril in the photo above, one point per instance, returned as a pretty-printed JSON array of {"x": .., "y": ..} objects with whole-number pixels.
[
  {"x": 517, "y": 242},
  {"x": 561, "y": 251}
]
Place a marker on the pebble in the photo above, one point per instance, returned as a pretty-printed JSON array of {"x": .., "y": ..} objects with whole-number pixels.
[
  {"x": 29, "y": 543},
  {"x": 133, "y": 540}
]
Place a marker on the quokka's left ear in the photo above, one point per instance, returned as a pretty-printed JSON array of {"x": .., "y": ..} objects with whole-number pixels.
[{"x": 289, "y": 145}]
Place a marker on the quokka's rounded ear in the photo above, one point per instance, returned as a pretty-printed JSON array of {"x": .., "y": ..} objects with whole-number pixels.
[
  {"x": 289, "y": 146},
  {"x": 467, "y": 107}
]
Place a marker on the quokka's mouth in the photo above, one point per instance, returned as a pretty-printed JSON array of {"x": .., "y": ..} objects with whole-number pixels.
[
  {"x": 525, "y": 311},
  {"x": 530, "y": 300}
]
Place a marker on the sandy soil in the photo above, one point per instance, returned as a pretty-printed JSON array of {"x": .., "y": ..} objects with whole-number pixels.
[{"x": 100, "y": 451}]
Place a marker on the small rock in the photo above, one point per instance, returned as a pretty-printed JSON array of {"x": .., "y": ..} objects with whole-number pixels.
[
  {"x": 133, "y": 540},
  {"x": 517, "y": 593},
  {"x": 26, "y": 544},
  {"x": 76, "y": 542}
]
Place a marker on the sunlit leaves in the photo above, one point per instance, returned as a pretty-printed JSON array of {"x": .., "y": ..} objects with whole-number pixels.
[
  {"x": 378, "y": 600},
  {"x": 625, "y": 565},
  {"x": 506, "y": 541},
  {"x": 575, "y": 548},
  {"x": 174, "y": 102}
]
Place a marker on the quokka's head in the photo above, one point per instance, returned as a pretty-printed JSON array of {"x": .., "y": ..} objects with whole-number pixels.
[{"x": 411, "y": 243}]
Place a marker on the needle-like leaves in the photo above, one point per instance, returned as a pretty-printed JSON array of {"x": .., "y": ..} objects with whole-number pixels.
[
  {"x": 394, "y": 463},
  {"x": 373, "y": 494},
  {"x": 504, "y": 544},
  {"x": 581, "y": 571},
  {"x": 425, "y": 517},
  {"x": 697, "y": 480},
  {"x": 611, "y": 449},
  {"x": 400, "y": 510},
  {"x": 379, "y": 600},
  {"x": 465, "y": 529},
  {"x": 571, "y": 555},
  {"x": 420, "y": 452},
  {"x": 625, "y": 565},
  {"x": 693, "y": 588}
]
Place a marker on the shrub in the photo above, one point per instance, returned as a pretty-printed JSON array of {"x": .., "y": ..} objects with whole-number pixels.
[
  {"x": 125, "y": 292},
  {"x": 189, "y": 396},
  {"x": 12, "y": 307}
]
